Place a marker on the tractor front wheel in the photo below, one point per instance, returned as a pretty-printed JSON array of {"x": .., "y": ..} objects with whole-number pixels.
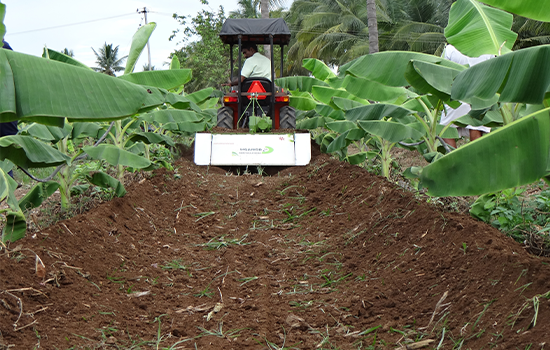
[
  {"x": 287, "y": 118},
  {"x": 225, "y": 118}
]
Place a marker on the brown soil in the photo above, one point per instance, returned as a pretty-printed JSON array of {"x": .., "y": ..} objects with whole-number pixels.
[
  {"x": 219, "y": 130},
  {"x": 319, "y": 257}
]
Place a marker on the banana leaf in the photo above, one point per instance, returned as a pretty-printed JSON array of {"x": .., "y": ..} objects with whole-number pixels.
[
  {"x": 318, "y": 69},
  {"x": 389, "y": 131},
  {"x": 325, "y": 94},
  {"x": 490, "y": 119},
  {"x": 372, "y": 90},
  {"x": 116, "y": 156},
  {"x": 534, "y": 9},
  {"x": 388, "y": 67},
  {"x": 201, "y": 95},
  {"x": 2, "y": 26},
  {"x": 475, "y": 29},
  {"x": 7, "y": 188},
  {"x": 310, "y": 123},
  {"x": 174, "y": 62},
  {"x": 139, "y": 40},
  {"x": 522, "y": 76},
  {"x": 164, "y": 79},
  {"x": 35, "y": 89},
  {"x": 302, "y": 103},
  {"x": 341, "y": 126},
  {"x": 15, "y": 227},
  {"x": 92, "y": 130},
  {"x": 38, "y": 194},
  {"x": 299, "y": 83},
  {"x": 28, "y": 152},
  {"x": 357, "y": 158},
  {"x": 106, "y": 181},
  {"x": 191, "y": 127},
  {"x": 61, "y": 57},
  {"x": 181, "y": 102},
  {"x": 329, "y": 112},
  {"x": 47, "y": 132},
  {"x": 429, "y": 78},
  {"x": 511, "y": 156},
  {"x": 169, "y": 116},
  {"x": 344, "y": 104},
  {"x": 152, "y": 138},
  {"x": 376, "y": 112}
]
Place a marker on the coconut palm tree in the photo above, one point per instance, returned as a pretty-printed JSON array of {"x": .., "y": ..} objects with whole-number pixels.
[
  {"x": 107, "y": 60},
  {"x": 247, "y": 9},
  {"x": 68, "y": 52}
]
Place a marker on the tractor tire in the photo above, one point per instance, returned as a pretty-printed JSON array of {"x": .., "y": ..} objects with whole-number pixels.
[
  {"x": 287, "y": 118},
  {"x": 225, "y": 118}
]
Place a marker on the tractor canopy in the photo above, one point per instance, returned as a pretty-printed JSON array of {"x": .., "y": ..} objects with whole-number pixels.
[{"x": 255, "y": 31}]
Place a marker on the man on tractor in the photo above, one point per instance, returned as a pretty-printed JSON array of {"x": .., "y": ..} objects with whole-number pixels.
[{"x": 255, "y": 66}]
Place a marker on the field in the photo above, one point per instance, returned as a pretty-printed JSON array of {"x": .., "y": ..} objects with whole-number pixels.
[{"x": 326, "y": 256}]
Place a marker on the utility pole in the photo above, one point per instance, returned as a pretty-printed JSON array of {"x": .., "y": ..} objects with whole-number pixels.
[{"x": 144, "y": 11}]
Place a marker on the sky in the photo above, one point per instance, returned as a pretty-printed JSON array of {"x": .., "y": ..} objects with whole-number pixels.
[{"x": 79, "y": 25}]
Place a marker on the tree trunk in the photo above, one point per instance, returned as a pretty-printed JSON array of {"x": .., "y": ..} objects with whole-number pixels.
[
  {"x": 264, "y": 9},
  {"x": 373, "y": 26}
]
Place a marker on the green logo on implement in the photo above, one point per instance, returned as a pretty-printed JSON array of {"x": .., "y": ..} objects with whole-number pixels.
[{"x": 267, "y": 150}]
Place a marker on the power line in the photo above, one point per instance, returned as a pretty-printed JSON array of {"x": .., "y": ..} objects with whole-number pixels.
[{"x": 71, "y": 24}]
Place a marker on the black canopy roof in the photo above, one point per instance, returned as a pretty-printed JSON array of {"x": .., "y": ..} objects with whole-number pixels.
[{"x": 255, "y": 30}]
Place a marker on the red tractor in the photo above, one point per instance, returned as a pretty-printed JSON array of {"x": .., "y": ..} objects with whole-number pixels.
[{"x": 268, "y": 99}]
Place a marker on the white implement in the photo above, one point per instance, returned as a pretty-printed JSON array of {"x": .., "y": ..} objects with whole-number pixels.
[{"x": 252, "y": 149}]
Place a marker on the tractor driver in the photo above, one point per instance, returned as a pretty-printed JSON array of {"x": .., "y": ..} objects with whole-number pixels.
[{"x": 255, "y": 66}]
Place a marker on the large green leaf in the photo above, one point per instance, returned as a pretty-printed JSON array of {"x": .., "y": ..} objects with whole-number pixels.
[
  {"x": 341, "y": 126},
  {"x": 521, "y": 76},
  {"x": 329, "y": 112},
  {"x": 535, "y": 9},
  {"x": 376, "y": 111},
  {"x": 475, "y": 29},
  {"x": 344, "y": 104},
  {"x": 106, "y": 181},
  {"x": 389, "y": 131},
  {"x": 46, "y": 132},
  {"x": 2, "y": 26},
  {"x": 174, "y": 62},
  {"x": 302, "y": 103},
  {"x": 28, "y": 152},
  {"x": 299, "y": 83},
  {"x": 310, "y": 123},
  {"x": 429, "y": 78},
  {"x": 116, "y": 156},
  {"x": 35, "y": 88},
  {"x": 318, "y": 69},
  {"x": 15, "y": 227},
  {"x": 170, "y": 116},
  {"x": 139, "y": 40},
  {"x": 7, "y": 188},
  {"x": 92, "y": 130},
  {"x": 372, "y": 90},
  {"x": 61, "y": 57},
  {"x": 164, "y": 79},
  {"x": 388, "y": 67},
  {"x": 201, "y": 95},
  {"x": 325, "y": 94},
  {"x": 514, "y": 155},
  {"x": 38, "y": 194},
  {"x": 152, "y": 138}
]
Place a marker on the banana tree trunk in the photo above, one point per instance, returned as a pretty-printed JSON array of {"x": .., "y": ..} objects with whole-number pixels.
[{"x": 373, "y": 26}]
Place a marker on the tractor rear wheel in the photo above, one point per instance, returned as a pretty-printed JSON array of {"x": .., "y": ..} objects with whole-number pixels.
[
  {"x": 287, "y": 118},
  {"x": 225, "y": 118}
]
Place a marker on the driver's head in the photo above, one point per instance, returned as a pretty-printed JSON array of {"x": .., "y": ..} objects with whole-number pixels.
[{"x": 249, "y": 49}]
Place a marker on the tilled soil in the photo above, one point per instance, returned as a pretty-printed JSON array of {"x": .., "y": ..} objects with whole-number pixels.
[{"x": 319, "y": 257}]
